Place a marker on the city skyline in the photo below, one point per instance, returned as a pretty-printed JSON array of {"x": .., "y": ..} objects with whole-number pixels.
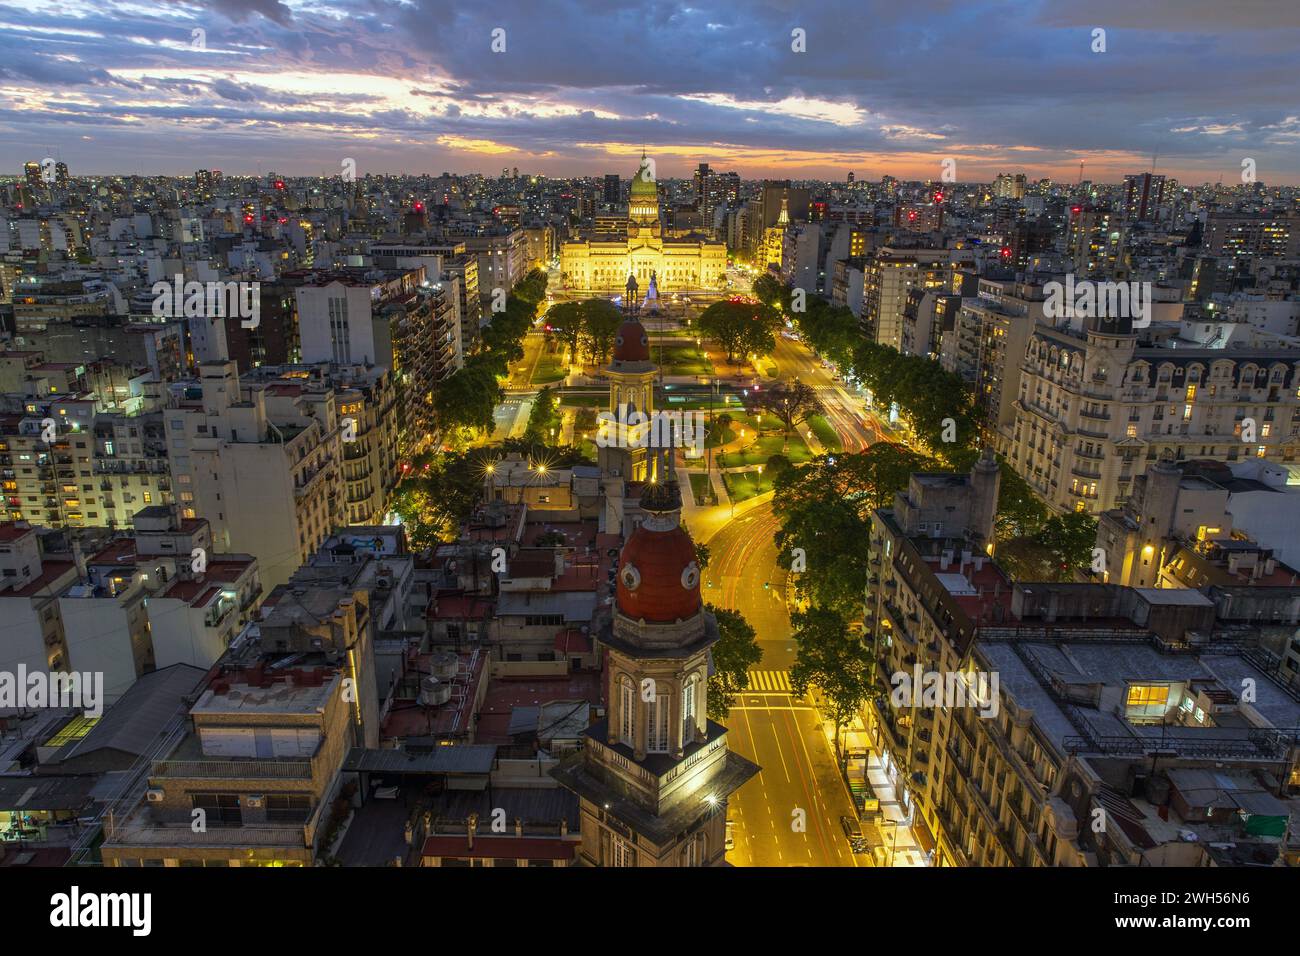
[{"x": 294, "y": 87}]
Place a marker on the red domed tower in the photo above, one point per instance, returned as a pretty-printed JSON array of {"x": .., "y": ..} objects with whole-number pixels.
[
  {"x": 631, "y": 374},
  {"x": 654, "y": 776}
]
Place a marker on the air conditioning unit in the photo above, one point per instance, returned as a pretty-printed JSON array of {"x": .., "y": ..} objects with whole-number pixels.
[
  {"x": 254, "y": 800},
  {"x": 154, "y": 795}
]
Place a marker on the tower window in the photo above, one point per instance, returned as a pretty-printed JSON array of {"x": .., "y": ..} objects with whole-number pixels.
[
  {"x": 688, "y": 709},
  {"x": 657, "y": 725},
  {"x": 627, "y": 711}
]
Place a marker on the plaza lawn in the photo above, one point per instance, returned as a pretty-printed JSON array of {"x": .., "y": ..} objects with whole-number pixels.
[
  {"x": 719, "y": 434},
  {"x": 595, "y": 400},
  {"x": 758, "y": 452},
  {"x": 680, "y": 357},
  {"x": 747, "y": 484},
  {"x": 550, "y": 369},
  {"x": 701, "y": 490},
  {"x": 825, "y": 433}
]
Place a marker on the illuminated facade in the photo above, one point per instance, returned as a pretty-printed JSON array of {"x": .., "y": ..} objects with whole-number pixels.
[
  {"x": 655, "y": 774},
  {"x": 602, "y": 263}
]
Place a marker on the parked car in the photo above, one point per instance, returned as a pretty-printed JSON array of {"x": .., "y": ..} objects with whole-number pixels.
[{"x": 730, "y": 843}]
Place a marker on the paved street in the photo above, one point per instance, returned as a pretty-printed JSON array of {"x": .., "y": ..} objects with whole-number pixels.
[{"x": 769, "y": 725}]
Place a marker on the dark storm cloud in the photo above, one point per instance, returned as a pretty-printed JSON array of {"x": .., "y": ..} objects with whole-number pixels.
[{"x": 1199, "y": 83}]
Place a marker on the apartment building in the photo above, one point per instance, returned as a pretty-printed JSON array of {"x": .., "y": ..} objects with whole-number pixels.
[
  {"x": 502, "y": 258},
  {"x": 1099, "y": 403},
  {"x": 30, "y": 584},
  {"x": 262, "y": 463},
  {"x": 393, "y": 320},
  {"x": 992, "y": 331},
  {"x": 1051, "y": 699},
  {"x": 1095, "y": 239},
  {"x": 253, "y": 779},
  {"x": 927, "y": 317},
  {"x": 366, "y": 405},
  {"x": 1253, "y": 235},
  {"x": 888, "y": 277}
]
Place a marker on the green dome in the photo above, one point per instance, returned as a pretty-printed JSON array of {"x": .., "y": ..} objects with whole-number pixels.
[{"x": 643, "y": 183}]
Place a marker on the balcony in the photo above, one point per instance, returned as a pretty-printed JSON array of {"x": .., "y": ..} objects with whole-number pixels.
[
  {"x": 249, "y": 768},
  {"x": 143, "y": 829}
]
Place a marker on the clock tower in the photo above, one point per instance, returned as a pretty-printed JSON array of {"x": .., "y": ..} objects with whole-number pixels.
[{"x": 655, "y": 775}]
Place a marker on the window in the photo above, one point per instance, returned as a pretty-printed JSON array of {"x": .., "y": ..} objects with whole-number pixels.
[
  {"x": 1147, "y": 700},
  {"x": 220, "y": 808},
  {"x": 288, "y": 809},
  {"x": 688, "y": 709},
  {"x": 623, "y": 854},
  {"x": 627, "y": 711},
  {"x": 657, "y": 725}
]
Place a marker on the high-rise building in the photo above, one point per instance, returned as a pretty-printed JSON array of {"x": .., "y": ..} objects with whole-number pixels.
[
  {"x": 890, "y": 274},
  {"x": 1253, "y": 234},
  {"x": 1144, "y": 193},
  {"x": 261, "y": 463},
  {"x": 1006, "y": 186},
  {"x": 613, "y": 190}
]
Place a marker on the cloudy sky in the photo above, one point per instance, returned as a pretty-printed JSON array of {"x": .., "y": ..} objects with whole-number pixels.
[{"x": 297, "y": 86}]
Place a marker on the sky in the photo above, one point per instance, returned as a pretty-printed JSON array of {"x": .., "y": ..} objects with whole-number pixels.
[{"x": 1191, "y": 87}]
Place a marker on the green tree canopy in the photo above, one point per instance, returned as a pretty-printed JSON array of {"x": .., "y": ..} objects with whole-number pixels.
[
  {"x": 544, "y": 420},
  {"x": 825, "y": 509},
  {"x": 791, "y": 402},
  {"x": 733, "y": 655},
  {"x": 600, "y": 321},
  {"x": 831, "y": 656},
  {"x": 741, "y": 327}
]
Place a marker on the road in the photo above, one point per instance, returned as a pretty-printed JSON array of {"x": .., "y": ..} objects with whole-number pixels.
[
  {"x": 790, "y": 814},
  {"x": 857, "y": 427}
]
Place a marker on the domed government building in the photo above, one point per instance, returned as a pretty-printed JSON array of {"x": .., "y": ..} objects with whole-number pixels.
[{"x": 603, "y": 263}]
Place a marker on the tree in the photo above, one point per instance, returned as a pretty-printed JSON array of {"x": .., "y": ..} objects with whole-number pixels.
[
  {"x": 532, "y": 287},
  {"x": 587, "y": 420},
  {"x": 701, "y": 555},
  {"x": 1020, "y": 511},
  {"x": 937, "y": 403},
  {"x": 769, "y": 290},
  {"x": 544, "y": 420},
  {"x": 791, "y": 402},
  {"x": 1069, "y": 538},
  {"x": 741, "y": 327},
  {"x": 567, "y": 320},
  {"x": 734, "y": 654},
  {"x": 825, "y": 510},
  {"x": 468, "y": 397},
  {"x": 834, "y": 658},
  {"x": 438, "y": 495},
  {"x": 600, "y": 322}
]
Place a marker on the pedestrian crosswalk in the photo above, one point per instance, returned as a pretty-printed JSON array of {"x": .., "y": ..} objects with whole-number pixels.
[{"x": 774, "y": 682}]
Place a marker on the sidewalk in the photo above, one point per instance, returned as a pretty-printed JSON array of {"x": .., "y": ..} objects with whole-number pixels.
[{"x": 900, "y": 845}]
